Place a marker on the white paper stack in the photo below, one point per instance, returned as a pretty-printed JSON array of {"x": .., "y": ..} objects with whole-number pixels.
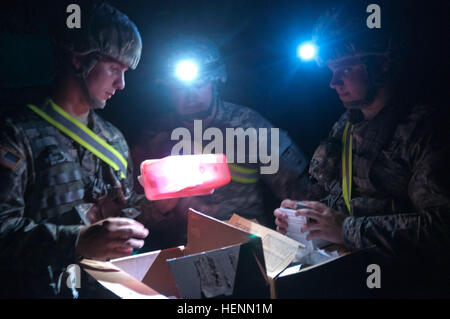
[{"x": 295, "y": 223}]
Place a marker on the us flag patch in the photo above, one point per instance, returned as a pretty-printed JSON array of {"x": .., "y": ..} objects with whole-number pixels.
[{"x": 8, "y": 158}]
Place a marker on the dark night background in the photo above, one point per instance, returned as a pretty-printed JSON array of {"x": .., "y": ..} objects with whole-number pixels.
[
  {"x": 258, "y": 42},
  {"x": 257, "y": 39}
]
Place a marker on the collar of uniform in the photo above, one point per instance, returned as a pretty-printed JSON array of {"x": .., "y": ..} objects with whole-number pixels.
[
  {"x": 357, "y": 119},
  {"x": 355, "y": 116},
  {"x": 380, "y": 125}
]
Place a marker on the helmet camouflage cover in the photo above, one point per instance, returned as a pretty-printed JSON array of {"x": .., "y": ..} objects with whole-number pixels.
[
  {"x": 342, "y": 32},
  {"x": 106, "y": 31}
]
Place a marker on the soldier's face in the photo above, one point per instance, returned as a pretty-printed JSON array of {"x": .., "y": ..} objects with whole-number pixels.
[
  {"x": 105, "y": 78},
  {"x": 350, "y": 80},
  {"x": 189, "y": 100}
]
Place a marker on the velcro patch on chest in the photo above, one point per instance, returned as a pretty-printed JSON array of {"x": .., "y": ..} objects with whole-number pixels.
[{"x": 9, "y": 158}]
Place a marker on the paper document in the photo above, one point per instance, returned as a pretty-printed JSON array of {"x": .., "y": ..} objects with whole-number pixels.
[
  {"x": 279, "y": 250},
  {"x": 295, "y": 223}
]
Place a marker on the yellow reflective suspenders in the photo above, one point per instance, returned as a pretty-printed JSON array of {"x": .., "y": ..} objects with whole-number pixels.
[
  {"x": 347, "y": 165},
  {"x": 243, "y": 175},
  {"x": 82, "y": 135}
]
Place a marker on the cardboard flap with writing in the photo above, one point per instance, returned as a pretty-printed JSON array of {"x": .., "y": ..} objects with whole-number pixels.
[
  {"x": 236, "y": 271},
  {"x": 207, "y": 274}
]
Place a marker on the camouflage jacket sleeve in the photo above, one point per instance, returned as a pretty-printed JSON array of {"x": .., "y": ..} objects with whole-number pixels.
[
  {"x": 426, "y": 227},
  {"x": 26, "y": 244},
  {"x": 136, "y": 201},
  {"x": 131, "y": 203}
]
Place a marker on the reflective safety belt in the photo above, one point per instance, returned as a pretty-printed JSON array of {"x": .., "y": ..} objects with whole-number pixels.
[
  {"x": 243, "y": 175},
  {"x": 83, "y": 136},
  {"x": 347, "y": 165}
]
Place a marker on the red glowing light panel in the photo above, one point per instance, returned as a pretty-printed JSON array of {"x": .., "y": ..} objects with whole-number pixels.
[{"x": 184, "y": 175}]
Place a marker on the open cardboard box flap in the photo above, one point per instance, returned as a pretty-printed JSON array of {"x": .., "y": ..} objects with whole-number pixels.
[
  {"x": 132, "y": 277},
  {"x": 340, "y": 277}
]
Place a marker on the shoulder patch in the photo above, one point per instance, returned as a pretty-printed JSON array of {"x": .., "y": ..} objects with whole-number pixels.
[{"x": 9, "y": 158}]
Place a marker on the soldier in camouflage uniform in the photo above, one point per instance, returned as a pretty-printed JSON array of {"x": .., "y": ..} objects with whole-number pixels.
[
  {"x": 380, "y": 179},
  {"x": 199, "y": 100},
  {"x": 52, "y": 183}
]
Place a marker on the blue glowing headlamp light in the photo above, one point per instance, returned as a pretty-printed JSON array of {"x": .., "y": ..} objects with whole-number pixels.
[
  {"x": 187, "y": 71},
  {"x": 307, "y": 51}
]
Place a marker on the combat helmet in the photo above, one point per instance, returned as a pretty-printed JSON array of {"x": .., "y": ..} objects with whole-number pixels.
[
  {"x": 343, "y": 32},
  {"x": 201, "y": 51},
  {"x": 105, "y": 31}
]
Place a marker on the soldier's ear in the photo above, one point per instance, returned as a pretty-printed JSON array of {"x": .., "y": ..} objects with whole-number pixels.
[{"x": 76, "y": 60}]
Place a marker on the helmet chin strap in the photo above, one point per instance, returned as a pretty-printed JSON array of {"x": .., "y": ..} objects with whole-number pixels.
[
  {"x": 355, "y": 113},
  {"x": 93, "y": 102},
  {"x": 82, "y": 74}
]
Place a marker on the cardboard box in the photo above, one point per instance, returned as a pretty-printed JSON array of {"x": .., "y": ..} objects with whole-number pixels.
[
  {"x": 222, "y": 261},
  {"x": 184, "y": 272}
]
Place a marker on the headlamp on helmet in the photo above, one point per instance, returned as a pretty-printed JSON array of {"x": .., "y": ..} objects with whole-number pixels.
[
  {"x": 187, "y": 70},
  {"x": 192, "y": 61},
  {"x": 307, "y": 51}
]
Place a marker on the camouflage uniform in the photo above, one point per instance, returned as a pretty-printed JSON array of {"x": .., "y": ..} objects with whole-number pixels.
[
  {"x": 40, "y": 198},
  {"x": 245, "y": 198},
  {"x": 401, "y": 189}
]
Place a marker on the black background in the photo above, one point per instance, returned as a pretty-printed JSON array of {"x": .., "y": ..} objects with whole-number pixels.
[{"x": 258, "y": 42}]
